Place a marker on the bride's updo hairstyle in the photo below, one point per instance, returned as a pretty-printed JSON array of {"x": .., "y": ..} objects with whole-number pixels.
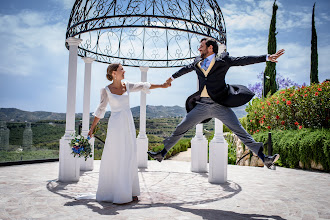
[{"x": 112, "y": 67}]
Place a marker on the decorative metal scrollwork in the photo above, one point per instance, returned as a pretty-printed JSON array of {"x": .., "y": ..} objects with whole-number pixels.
[{"x": 154, "y": 33}]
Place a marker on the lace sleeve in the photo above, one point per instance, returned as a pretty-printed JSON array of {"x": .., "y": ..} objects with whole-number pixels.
[
  {"x": 100, "y": 110},
  {"x": 139, "y": 86}
]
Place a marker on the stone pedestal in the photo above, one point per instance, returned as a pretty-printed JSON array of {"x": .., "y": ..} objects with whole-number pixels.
[
  {"x": 218, "y": 156},
  {"x": 69, "y": 170},
  {"x": 27, "y": 137},
  {"x": 88, "y": 165},
  {"x": 4, "y": 136},
  {"x": 199, "y": 151},
  {"x": 142, "y": 148}
]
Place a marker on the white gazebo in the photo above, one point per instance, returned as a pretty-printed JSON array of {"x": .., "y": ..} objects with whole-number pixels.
[{"x": 145, "y": 34}]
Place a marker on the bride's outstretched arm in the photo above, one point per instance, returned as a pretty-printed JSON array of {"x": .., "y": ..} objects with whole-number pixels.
[{"x": 156, "y": 86}]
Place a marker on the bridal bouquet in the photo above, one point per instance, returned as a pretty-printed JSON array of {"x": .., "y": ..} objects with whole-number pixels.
[{"x": 81, "y": 147}]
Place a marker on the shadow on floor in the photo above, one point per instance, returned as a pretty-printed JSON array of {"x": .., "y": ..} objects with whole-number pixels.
[{"x": 105, "y": 208}]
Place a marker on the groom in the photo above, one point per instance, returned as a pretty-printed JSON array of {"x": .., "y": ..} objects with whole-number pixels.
[{"x": 215, "y": 97}]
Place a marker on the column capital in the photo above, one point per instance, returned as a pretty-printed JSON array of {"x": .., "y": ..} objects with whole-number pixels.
[
  {"x": 88, "y": 59},
  {"x": 72, "y": 41},
  {"x": 144, "y": 68}
]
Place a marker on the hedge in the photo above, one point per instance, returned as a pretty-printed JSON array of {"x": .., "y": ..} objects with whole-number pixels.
[
  {"x": 305, "y": 145},
  {"x": 182, "y": 145}
]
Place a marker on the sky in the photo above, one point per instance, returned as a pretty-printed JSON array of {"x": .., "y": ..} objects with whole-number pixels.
[{"x": 34, "y": 60}]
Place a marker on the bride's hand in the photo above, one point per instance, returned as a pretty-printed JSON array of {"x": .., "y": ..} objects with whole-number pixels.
[
  {"x": 166, "y": 85},
  {"x": 90, "y": 133}
]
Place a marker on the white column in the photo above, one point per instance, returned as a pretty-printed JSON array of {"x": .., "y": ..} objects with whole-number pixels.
[
  {"x": 87, "y": 165},
  {"x": 142, "y": 139},
  {"x": 218, "y": 155},
  {"x": 199, "y": 149},
  {"x": 69, "y": 168}
]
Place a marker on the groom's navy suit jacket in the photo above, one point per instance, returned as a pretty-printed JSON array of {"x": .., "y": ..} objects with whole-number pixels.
[{"x": 215, "y": 80}]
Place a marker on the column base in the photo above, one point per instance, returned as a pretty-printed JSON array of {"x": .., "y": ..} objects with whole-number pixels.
[
  {"x": 69, "y": 166},
  {"x": 199, "y": 154},
  {"x": 88, "y": 165},
  {"x": 142, "y": 148},
  {"x": 218, "y": 155}
]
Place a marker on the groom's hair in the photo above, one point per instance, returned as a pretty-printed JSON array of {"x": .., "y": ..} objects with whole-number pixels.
[{"x": 211, "y": 41}]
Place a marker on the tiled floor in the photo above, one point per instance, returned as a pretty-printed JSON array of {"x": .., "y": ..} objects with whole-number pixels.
[{"x": 169, "y": 190}]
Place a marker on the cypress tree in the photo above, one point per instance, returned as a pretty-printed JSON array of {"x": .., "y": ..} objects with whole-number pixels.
[
  {"x": 314, "y": 75},
  {"x": 270, "y": 71}
]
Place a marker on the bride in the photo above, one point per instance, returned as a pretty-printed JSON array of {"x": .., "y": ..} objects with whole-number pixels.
[{"x": 118, "y": 177}]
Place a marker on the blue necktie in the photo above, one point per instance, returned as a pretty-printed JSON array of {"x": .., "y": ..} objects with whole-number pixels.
[{"x": 204, "y": 64}]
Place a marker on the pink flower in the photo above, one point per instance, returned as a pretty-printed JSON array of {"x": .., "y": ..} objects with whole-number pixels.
[
  {"x": 300, "y": 127},
  {"x": 288, "y": 102},
  {"x": 320, "y": 89}
]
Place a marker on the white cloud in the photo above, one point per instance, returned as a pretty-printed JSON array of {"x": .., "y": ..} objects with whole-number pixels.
[{"x": 28, "y": 43}]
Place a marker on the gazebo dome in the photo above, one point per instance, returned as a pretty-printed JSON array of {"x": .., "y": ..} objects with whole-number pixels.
[{"x": 152, "y": 33}]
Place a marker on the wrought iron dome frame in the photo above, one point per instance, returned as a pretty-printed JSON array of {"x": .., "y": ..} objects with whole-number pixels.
[{"x": 154, "y": 33}]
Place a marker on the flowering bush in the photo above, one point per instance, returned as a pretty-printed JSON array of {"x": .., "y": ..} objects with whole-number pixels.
[
  {"x": 281, "y": 82},
  {"x": 291, "y": 108},
  {"x": 81, "y": 147}
]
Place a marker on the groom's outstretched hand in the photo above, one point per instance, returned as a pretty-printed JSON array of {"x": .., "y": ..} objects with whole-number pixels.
[
  {"x": 273, "y": 57},
  {"x": 166, "y": 85},
  {"x": 169, "y": 80}
]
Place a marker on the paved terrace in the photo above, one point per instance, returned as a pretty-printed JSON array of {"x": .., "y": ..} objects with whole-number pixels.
[{"x": 169, "y": 190}]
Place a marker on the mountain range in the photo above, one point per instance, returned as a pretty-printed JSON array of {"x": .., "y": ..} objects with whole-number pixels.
[{"x": 17, "y": 115}]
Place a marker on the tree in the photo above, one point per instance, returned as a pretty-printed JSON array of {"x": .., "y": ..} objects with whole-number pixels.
[
  {"x": 314, "y": 75},
  {"x": 270, "y": 71}
]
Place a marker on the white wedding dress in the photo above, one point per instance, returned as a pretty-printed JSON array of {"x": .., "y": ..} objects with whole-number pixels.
[{"x": 118, "y": 178}]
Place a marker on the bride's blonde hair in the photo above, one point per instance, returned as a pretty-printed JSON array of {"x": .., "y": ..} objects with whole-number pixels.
[{"x": 112, "y": 67}]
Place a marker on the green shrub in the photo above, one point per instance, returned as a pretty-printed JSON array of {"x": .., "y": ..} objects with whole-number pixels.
[
  {"x": 305, "y": 145},
  {"x": 182, "y": 145},
  {"x": 231, "y": 149}
]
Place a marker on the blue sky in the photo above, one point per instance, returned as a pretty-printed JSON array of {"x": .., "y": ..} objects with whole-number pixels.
[{"x": 34, "y": 60}]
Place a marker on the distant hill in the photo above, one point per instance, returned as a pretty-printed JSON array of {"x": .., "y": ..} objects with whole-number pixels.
[{"x": 17, "y": 115}]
